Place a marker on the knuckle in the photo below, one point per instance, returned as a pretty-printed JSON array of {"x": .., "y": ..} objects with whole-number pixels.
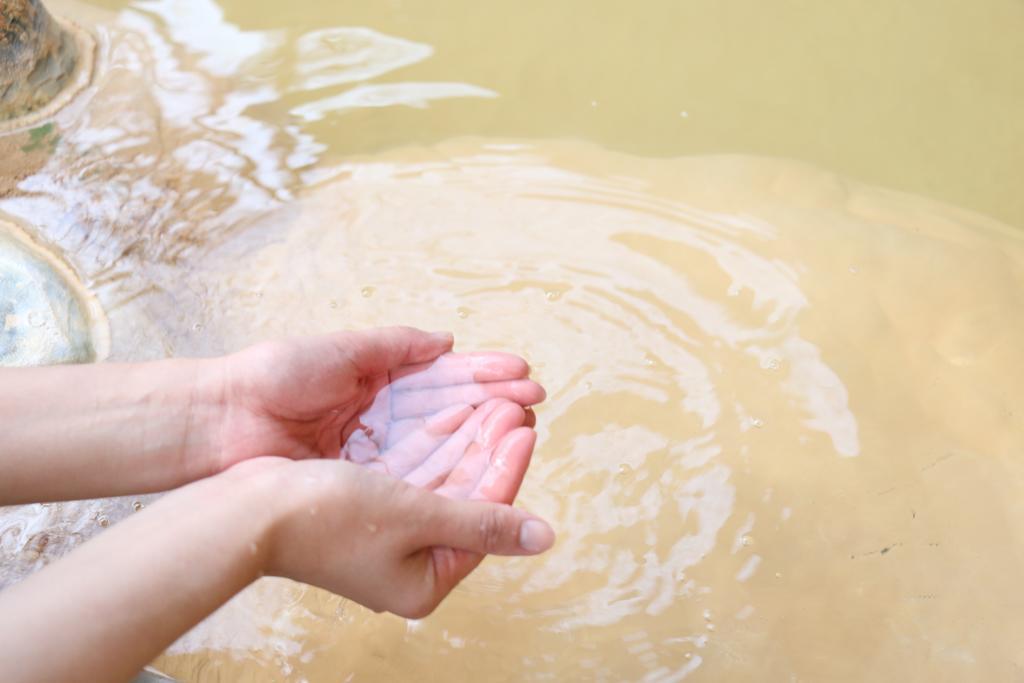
[{"x": 492, "y": 529}]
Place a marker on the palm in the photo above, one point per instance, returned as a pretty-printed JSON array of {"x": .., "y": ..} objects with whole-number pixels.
[{"x": 388, "y": 398}]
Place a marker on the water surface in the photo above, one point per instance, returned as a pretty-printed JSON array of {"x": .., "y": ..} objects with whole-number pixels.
[{"x": 781, "y": 439}]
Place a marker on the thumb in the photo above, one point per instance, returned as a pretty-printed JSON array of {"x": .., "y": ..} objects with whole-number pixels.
[
  {"x": 382, "y": 349},
  {"x": 487, "y": 528}
]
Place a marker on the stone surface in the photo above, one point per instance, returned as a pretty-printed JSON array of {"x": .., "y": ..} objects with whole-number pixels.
[
  {"x": 37, "y": 57},
  {"x": 42, "y": 318}
]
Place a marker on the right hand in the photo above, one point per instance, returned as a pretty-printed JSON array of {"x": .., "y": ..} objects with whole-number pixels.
[{"x": 383, "y": 539}]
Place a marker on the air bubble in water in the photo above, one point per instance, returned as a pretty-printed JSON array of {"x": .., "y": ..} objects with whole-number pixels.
[
  {"x": 103, "y": 521},
  {"x": 137, "y": 505},
  {"x": 36, "y": 319},
  {"x": 368, "y": 291}
]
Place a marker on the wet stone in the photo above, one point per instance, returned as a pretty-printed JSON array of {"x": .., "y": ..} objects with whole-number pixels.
[{"x": 42, "y": 319}]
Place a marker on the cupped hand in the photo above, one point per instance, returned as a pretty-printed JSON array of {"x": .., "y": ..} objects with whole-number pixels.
[
  {"x": 386, "y": 540},
  {"x": 372, "y": 391}
]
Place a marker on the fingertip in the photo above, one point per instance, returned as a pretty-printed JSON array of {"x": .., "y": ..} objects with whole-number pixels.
[
  {"x": 495, "y": 366},
  {"x": 445, "y": 340},
  {"x": 532, "y": 393},
  {"x": 535, "y": 536}
]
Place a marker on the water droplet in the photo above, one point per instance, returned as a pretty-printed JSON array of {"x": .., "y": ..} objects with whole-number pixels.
[
  {"x": 747, "y": 541},
  {"x": 462, "y": 312},
  {"x": 552, "y": 295},
  {"x": 36, "y": 319},
  {"x": 137, "y": 505},
  {"x": 333, "y": 304},
  {"x": 758, "y": 422},
  {"x": 688, "y": 655},
  {"x": 368, "y": 291},
  {"x": 773, "y": 364},
  {"x": 198, "y": 327},
  {"x": 707, "y": 615},
  {"x": 103, "y": 521},
  {"x": 710, "y": 627}
]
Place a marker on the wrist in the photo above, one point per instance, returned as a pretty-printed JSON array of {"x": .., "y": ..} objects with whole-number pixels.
[
  {"x": 205, "y": 414},
  {"x": 252, "y": 497}
]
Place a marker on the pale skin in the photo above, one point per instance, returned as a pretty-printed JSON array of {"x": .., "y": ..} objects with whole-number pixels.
[{"x": 434, "y": 446}]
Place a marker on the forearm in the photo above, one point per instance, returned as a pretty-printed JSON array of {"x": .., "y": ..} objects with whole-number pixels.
[
  {"x": 112, "y": 605},
  {"x": 88, "y": 431}
]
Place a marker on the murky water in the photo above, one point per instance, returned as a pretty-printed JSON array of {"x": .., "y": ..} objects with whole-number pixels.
[{"x": 782, "y": 439}]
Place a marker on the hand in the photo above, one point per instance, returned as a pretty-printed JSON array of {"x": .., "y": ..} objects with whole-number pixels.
[
  {"x": 302, "y": 398},
  {"x": 339, "y": 519}
]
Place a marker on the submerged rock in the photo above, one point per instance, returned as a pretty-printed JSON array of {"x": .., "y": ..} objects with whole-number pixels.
[{"x": 43, "y": 319}]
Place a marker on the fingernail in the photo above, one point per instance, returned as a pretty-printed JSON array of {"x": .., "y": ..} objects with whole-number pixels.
[
  {"x": 535, "y": 536},
  {"x": 444, "y": 337}
]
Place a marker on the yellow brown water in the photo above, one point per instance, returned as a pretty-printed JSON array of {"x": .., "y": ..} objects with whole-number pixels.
[{"x": 782, "y": 438}]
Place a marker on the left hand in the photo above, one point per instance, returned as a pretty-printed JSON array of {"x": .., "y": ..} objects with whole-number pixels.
[{"x": 305, "y": 397}]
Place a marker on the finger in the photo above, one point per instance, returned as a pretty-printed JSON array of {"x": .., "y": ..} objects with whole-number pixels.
[
  {"x": 425, "y": 435},
  {"x": 380, "y": 350},
  {"x": 435, "y": 468},
  {"x": 459, "y": 368},
  {"x": 531, "y": 419},
  {"x": 463, "y": 478},
  {"x": 484, "y": 528},
  {"x": 525, "y": 392},
  {"x": 505, "y": 472}
]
